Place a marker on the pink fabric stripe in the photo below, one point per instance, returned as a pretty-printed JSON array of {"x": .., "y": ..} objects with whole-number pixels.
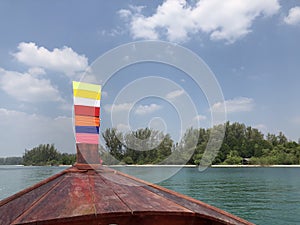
[{"x": 87, "y": 138}]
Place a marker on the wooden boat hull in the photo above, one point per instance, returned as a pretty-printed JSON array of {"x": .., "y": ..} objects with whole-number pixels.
[{"x": 136, "y": 219}]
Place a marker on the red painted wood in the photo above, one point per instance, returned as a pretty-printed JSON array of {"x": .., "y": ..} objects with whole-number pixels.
[
  {"x": 106, "y": 201},
  {"x": 70, "y": 198},
  {"x": 143, "y": 200}
]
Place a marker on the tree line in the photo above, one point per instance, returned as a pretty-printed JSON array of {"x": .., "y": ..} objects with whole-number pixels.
[
  {"x": 11, "y": 161},
  {"x": 241, "y": 145},
  {"x": 46, "y": 154}
]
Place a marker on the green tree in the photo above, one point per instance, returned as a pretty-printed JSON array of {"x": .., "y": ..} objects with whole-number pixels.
[
  {"x": 164, "y": 149},
  {"x": 184, "y": 151},
  {"x": 147, "y": 146},
  {"x": 67, "y": 159},
  {"x": 233, "y": 158},
  {"x": 44, "y": 154},
  {"x": 282, "y": 140},
  {"x": 113, "y": 140},
  {"x": 202, "y": 145},
  {"x": 272, "y": 139},
  {"x": 11, "y": 161}
]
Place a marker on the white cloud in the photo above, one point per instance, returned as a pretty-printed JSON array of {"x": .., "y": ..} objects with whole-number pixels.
[
  {"x": 31, "y": 130},
  {"x": 27, "y": 88},
  {"x": 146, "y": 109},
  {"x": 122, "y": 127},
  {"x": 36, "y": 71},
  {"x": 124, "y": 13},
  {"x": 199, "y": 118},
  {"x": 61, "y": 60},
  {"x": 127, "y": 13},
  {"x": 261, "y": 127},
  {"x": 174, "y": 94},
  {"x": 137, "y": 9},
  {"x": 176, "y": 20},
  {"x": 293, "y": 18},
  {"x": 240, "y": 104},
  {"x": 118, "y": 107},
  {"x": 112, "y": 32}
]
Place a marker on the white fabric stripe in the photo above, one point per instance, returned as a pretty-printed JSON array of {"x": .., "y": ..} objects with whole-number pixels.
[{"x": 86, "y": 102}]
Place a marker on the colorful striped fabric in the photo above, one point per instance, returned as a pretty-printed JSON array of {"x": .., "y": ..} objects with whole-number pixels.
[
  {"x": 86, "y": 86},
  {"x": 87, "y": 129},
  {"x": 87, "y": 121},
  {"x": 87, "y": 94},
  {"x": 87, "y": 138},
  {"x": 86, "y": 112},
  {"x": 86, "y": 102},
  {"x": 82, "y": 110}
]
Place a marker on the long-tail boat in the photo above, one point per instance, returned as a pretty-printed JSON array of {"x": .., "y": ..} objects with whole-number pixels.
[{"x": 89, "y": 193}]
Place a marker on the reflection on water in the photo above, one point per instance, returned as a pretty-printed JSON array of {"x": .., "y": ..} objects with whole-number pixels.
[{"x": 265, "y": 196}]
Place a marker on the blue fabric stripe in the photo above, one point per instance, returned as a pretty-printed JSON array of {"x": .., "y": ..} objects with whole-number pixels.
[{"x": 87, "y": 129}]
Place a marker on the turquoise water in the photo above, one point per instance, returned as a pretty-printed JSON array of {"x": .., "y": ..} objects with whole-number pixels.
[
  {"x": 264, "y": 196},
  {"x": 16, "y": 178}
]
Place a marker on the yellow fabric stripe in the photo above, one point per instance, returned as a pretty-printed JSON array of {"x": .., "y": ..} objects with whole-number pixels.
[
  {"x": 86, "y": 86},
  {"x": 87, "y": 94}
]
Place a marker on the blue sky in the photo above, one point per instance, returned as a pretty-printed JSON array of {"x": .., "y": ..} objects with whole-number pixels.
[{"x": 251, "y": 46}]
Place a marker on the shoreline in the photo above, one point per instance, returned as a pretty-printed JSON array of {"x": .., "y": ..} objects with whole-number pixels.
[
  {"x": 212, "y": 166},
  {"x": 255, "y": 166},
  {"x": 153, "y": 165},
  {"x": 183, "y": 166}
]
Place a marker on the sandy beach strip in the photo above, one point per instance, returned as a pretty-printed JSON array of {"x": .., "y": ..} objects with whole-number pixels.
[
  {"x": 251, "y": 166},
  {"x": 154, "y": 165}
]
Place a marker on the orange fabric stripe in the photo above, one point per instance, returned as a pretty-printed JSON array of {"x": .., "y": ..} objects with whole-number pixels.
[{"x": 87, "y": 121}]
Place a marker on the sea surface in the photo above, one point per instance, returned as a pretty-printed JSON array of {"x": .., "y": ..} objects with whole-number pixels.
[{"x": 264, "y": 196}]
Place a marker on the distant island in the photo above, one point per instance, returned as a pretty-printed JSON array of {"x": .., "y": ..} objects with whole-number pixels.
[
  {"x": 42, "y": 155},
  {"x": 242, "y": 145}
]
